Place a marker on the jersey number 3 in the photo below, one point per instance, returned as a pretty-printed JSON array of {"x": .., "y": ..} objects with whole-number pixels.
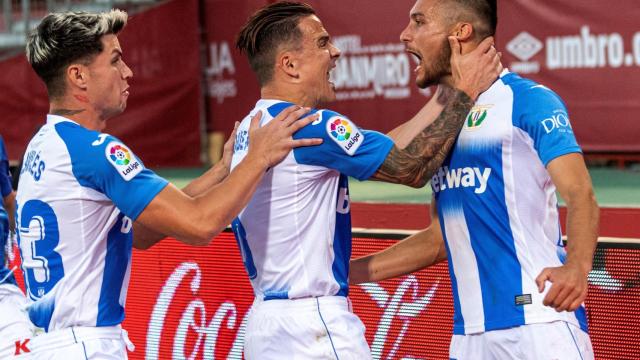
[{"x": 38, "y": 238}]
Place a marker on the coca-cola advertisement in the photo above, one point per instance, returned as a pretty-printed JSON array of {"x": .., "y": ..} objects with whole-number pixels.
[{"x": 192, "y": 303}]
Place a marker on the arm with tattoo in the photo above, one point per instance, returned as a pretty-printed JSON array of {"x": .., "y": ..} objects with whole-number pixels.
[
  {"x": 472, "y": 73},
  {"x": 416, "y": 164}
]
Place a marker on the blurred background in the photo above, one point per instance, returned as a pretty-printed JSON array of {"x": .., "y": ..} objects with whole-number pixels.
[{"x": 190, "y": 85}]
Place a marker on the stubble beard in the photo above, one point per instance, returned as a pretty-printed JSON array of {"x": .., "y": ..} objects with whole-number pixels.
[{"x": 439, "y": 68}]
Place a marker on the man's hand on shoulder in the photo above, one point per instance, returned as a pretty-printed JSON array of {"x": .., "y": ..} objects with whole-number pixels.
[
  {"x": 272, "y": 142},
  {"x": 474, "y": 72}
]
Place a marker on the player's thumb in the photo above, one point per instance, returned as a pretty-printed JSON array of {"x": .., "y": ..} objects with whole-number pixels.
[
  {"x": 542, "y": 278},
  {"x": 456, "y": 49},
  {"x": 255, "y": 121}
]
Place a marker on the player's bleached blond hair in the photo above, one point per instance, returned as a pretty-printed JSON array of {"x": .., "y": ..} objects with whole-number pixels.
[{"x": 62, "y": 39}]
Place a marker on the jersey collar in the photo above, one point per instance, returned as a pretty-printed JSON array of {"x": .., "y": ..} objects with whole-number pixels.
[{"x": 56, "y": 119}]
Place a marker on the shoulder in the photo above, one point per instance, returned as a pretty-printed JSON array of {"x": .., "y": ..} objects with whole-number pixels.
[
  {"x": 93, "y": 153},
  {"x": 530, "y": 94},
  {"x": 329, "y": 124}
]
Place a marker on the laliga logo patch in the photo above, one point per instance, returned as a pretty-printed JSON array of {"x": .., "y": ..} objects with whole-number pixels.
[
  {"x": 120, "y": 157},
  {"x": 345, "y": 134}
]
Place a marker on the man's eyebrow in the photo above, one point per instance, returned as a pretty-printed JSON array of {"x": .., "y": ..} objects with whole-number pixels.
[
  {"x": 116, "y": 51},
  {"x": 417, "y": 15},
  {"x": 324, "y": 37}
]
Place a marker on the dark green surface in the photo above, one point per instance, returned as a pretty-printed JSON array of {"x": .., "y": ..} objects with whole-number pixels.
[{"x": 613, "y": 187}]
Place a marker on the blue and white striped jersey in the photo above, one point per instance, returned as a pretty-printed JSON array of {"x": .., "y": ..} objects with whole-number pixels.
[
  {"x": 5, "y": 189},
  {"x": 295, "y": 233},
  {"x": 78, "y": 194},
  {"x": 498, "y": 207}
]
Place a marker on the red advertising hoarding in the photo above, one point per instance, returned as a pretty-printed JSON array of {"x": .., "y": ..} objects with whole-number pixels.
[
  {"x": 231, "y": 88},
  {"x": 187, "y": 302},
  {"x": 192, "y": 302},
  {"x": 586, "y": 51}
]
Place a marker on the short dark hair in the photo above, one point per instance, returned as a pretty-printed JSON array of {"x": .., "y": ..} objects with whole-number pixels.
[
  {"x": 64, "y": 38},
  {"x": 486, "y": 12},
  {"x": 266, "y": 30}
]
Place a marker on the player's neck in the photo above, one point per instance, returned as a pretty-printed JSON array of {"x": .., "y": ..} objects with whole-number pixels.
[
  {"x": 289, "y": 95},
  {"x": 81, "y": 113},
  {"x": 447, "y": 80}
]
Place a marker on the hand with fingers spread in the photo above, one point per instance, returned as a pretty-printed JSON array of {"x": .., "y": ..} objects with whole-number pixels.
[
  {"x": 475, "y": 71},
  {"x": 273, "y": 141},
  {"x": 568, "y": 286}
]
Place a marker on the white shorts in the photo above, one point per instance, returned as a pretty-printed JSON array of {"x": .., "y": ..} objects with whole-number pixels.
[
  {"x": 311, "y": 328},
  {"x": 15, "y": 327},
  {"x": 82, "y": 343},
  {"x": 556, "y": 340}
]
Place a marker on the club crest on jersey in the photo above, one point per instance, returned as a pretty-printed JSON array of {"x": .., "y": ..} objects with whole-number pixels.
[
  {"x": 121, "y": 158},
  {"x": 345, "y": 134},
  {"x": 476, "y": 117}
]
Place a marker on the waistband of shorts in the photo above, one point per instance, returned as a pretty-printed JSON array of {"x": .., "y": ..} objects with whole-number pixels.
[
  {"x": 78, "y": 334},
  {"x": 309, "y": 303}
]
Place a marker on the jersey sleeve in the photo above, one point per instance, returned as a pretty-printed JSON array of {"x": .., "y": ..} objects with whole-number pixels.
[
  {"x": 5, "y": 174},
  {"x": 346, "y": 148},
  {"x": 541, "y": 113},
  {"x": 106, "y": 164}
]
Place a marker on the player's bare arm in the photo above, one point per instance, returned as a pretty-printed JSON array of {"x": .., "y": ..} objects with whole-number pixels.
[
  {"x": 196, "y": 220},
  {"x": 404, "y": 133},
  {"x": 472, "y": 73},
  {"x": 414, "y": 253},
  {"x": 569, "y": 282},
  {"x": 145, "y": 238}
]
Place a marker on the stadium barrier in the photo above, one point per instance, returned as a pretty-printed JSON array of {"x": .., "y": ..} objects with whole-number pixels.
[{"x": 187, "y": 302}]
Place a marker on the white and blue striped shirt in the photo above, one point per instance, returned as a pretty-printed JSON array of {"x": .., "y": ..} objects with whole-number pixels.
[
  {"x": 295, "y": 233},
  {"x": 78, "y": 194},
  {"x": 498, "y": 208}
]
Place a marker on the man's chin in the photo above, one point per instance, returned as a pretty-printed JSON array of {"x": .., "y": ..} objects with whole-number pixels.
[{"x": 424, "y": 82}]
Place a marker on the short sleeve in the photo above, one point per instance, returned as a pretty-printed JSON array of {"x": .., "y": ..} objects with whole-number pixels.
[
  {"x": 5, "y": 174},
  {"x": 346, "y": 148},
  {"x": 106, "y": 164},
  {"x": 541, "y": 113}
]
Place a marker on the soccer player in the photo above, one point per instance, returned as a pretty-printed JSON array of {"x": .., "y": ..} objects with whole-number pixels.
[
  {"x": 295, "y": 233},
  {"x": 517, "y": 293},
  {"x": 82, "y": 191},
  {"x": 15, "y": 327}
]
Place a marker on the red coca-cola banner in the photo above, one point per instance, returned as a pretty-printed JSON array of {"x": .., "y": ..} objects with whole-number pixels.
[
  {"x": 187, "y": 302},
  {"x": 587, "y": 51},
  {"x": 162, "y": 120},
  {"x": 191, "y": 303}
]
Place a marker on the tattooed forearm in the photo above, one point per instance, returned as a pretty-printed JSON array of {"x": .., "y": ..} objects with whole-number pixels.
[
  {"x": 416, "y": 164},
  {"x": 65, "y": 112}
]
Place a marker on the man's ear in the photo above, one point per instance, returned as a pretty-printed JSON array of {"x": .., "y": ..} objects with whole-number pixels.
[
  {"x": 463, "y": 31},
  {"x": 77, "y": 75},
  {"x": 288, "y": 64}
]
